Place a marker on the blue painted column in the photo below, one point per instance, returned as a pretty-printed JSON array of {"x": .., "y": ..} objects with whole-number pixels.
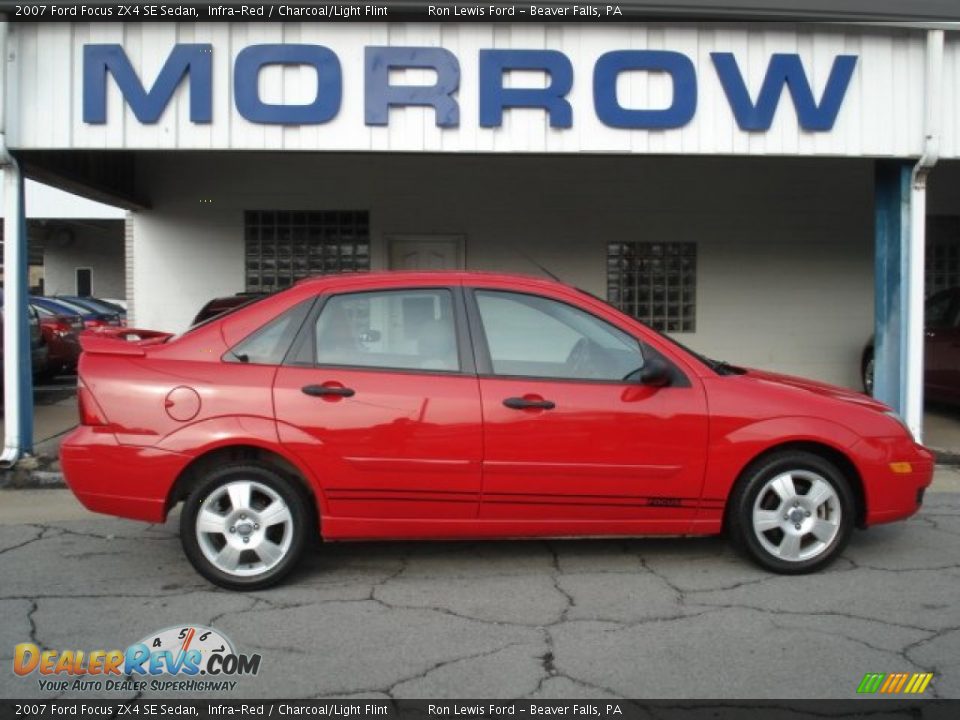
[{"x": 892, "y": 243}]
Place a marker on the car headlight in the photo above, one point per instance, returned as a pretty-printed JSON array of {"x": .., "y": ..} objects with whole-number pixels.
[{"x": 899, "y": 420}]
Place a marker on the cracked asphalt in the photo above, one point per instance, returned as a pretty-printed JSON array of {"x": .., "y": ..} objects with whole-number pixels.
[{"x": 646, "y": 618}]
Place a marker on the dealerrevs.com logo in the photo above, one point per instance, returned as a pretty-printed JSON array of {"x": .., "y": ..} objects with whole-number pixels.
[{"x": 181, "y": 658}]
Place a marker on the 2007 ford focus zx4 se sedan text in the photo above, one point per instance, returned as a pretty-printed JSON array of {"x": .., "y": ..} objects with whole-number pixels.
[{"x": 468, "y": 405}]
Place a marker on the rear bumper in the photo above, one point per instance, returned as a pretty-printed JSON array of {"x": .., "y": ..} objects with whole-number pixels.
[
  {"x": 123, "y": 480},
  {"x": 893, "y": 495}
]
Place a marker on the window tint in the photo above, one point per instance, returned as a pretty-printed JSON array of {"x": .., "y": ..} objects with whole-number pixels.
[
  {"x": 269, "y": 344},
  {"x": 405, "y": 329},
  {"x": 536, "y": 337}
]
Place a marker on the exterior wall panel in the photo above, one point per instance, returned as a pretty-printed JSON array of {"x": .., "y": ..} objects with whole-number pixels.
[
  {"x": 881, "y": 115},
  {"x": 784, "y": 247}
]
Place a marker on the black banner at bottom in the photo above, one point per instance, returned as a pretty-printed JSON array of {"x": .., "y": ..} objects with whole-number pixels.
[{"x": 484, "y": 709}]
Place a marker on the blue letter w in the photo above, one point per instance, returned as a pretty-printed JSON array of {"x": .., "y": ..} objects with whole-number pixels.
[
  {"x": 784, "y": 69},
  {"x": 192, "y": 60}
]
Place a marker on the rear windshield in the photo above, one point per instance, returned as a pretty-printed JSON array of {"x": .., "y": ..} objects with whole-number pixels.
[{"x": 246, "y": 303}]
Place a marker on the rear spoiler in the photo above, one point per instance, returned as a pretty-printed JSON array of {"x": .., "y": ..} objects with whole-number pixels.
[{"x": 120, "y": 340}]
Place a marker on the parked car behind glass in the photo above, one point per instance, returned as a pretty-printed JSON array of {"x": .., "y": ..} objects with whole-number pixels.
[
  {"x": 941, "y": 370},
  {"x": 95, "y": 305},
  {"x": 60, "y": 332},
  {"x": 91, "y": 318},
  {"x": 468, "y": 405},
  {"x": 38, "y": 348}
]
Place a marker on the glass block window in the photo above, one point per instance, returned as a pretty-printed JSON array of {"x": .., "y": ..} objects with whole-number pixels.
[
  {"x": 655, "y": 282},
  {"x": 943, "y": 253},
  {"x": 283, "y": 247}
]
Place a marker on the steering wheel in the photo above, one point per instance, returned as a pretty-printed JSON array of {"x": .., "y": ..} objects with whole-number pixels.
[{"x": 578, "y": 361}]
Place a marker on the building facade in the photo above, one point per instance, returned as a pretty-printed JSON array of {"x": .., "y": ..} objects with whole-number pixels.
[{"x": 718, "y": 181}]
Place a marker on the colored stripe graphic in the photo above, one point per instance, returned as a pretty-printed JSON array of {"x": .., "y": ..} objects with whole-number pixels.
[
  {"x": 927, "y": 677},
  {"x": 894, "y": 683},
  {"x": 871, "y": 682}
]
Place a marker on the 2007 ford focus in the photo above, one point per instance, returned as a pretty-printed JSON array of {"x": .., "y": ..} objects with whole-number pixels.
[{"x": 467, "y": 405}]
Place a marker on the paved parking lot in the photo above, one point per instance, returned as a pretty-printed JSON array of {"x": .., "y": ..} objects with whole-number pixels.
[{"x": 638, "y": 618}]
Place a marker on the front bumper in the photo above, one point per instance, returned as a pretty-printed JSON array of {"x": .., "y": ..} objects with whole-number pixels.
[
  {"x": 123, "y": 480},
  {"x": 891, "y": 491}
]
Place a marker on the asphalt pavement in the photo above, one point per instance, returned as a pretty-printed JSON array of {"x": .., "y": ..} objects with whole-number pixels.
[{"x": 646, "y": 618}]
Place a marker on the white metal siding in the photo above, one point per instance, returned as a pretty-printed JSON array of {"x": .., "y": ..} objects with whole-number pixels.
[{"x": 880, "y": 116}]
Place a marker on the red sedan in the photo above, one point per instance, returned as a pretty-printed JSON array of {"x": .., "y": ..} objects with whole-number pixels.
[
  {"x": 467, "y": 405},
  {"x": 60, "y": 334}
]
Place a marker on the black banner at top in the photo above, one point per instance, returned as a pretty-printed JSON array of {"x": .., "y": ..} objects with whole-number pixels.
[{"x": 923, "y": 11}]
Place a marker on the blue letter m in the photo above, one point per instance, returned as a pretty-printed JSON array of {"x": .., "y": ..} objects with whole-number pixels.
[
  {"x": 784, "y": 69},
  {"x": 192, "y": 60}
]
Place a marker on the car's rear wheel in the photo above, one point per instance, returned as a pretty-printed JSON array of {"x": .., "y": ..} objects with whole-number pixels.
[
  {"x": 793, "y": 512},
  {"x": 243, "y": 526}
]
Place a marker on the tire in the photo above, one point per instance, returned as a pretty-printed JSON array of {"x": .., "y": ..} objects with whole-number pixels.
[
  {"x": 763, "y": 498},
  {"x": 233, "y": 502}
]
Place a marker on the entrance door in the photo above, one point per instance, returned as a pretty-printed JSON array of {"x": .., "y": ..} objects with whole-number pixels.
[
  {"x": 567, "y": 434},
  {"x": 426, "y": 252}
]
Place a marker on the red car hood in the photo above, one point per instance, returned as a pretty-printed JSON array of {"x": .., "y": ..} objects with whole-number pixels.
[{"x": 819, "y": 388}]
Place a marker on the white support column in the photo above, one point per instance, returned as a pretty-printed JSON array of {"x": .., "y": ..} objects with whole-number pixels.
[{"x": 916, "y": 258}]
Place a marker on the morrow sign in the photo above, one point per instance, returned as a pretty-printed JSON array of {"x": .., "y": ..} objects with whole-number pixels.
[{"x": 193, "y": 63}]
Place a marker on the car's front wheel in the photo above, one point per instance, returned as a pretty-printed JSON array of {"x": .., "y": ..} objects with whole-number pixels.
[
  {"x": 793, "y": 512},
  {"x": 243, "y": 526}
]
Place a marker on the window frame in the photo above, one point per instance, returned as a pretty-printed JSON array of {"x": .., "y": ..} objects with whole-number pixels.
[
  {"x": 307, "y": 334},
  {"x": 484, "y": 361}
]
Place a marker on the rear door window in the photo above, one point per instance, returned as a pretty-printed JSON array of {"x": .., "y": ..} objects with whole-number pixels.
[{"x": 399, "y": 329}]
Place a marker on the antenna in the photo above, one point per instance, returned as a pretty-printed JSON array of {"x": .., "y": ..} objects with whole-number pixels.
[{"x": 537, "y": 265}]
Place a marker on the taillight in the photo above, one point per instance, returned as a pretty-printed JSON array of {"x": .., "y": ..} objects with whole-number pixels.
[{"x": 90, "y": 412}]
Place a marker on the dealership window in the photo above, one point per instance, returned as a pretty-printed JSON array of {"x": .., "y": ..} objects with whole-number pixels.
[
  {"x": 943, "y": 253},
  {"x": 655, "y": 282},
  {"x": 283, "y": 247}
]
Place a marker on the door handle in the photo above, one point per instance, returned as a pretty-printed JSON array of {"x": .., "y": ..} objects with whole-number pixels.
[
  {"x": 519, "y": 403},
  {"x": 327, "y": 391}
]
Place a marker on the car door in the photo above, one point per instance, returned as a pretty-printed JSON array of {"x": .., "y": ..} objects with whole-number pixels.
[
  {"x": 566, "y": 437},
  {"x": 380, "y": 399}
]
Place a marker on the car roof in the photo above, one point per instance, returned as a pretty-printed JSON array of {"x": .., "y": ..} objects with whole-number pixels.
[{"x": 452, "y": 277}]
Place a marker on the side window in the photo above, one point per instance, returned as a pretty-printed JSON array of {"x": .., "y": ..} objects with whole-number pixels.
[
  {"x": 269, "y": 344},
  {"x": 536, "y": 337},
  {"x": 402, "y": 329}
]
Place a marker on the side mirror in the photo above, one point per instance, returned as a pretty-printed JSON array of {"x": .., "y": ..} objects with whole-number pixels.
[{"x": 656, "y": 373}]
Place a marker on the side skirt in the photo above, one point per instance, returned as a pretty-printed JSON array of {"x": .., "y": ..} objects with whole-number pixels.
[{"x": 341, "y": 528}]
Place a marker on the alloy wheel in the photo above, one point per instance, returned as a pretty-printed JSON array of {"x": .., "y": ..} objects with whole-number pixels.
[
  {"x": 796, "y": 515},
  {"x": 244, "y": 528}
]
